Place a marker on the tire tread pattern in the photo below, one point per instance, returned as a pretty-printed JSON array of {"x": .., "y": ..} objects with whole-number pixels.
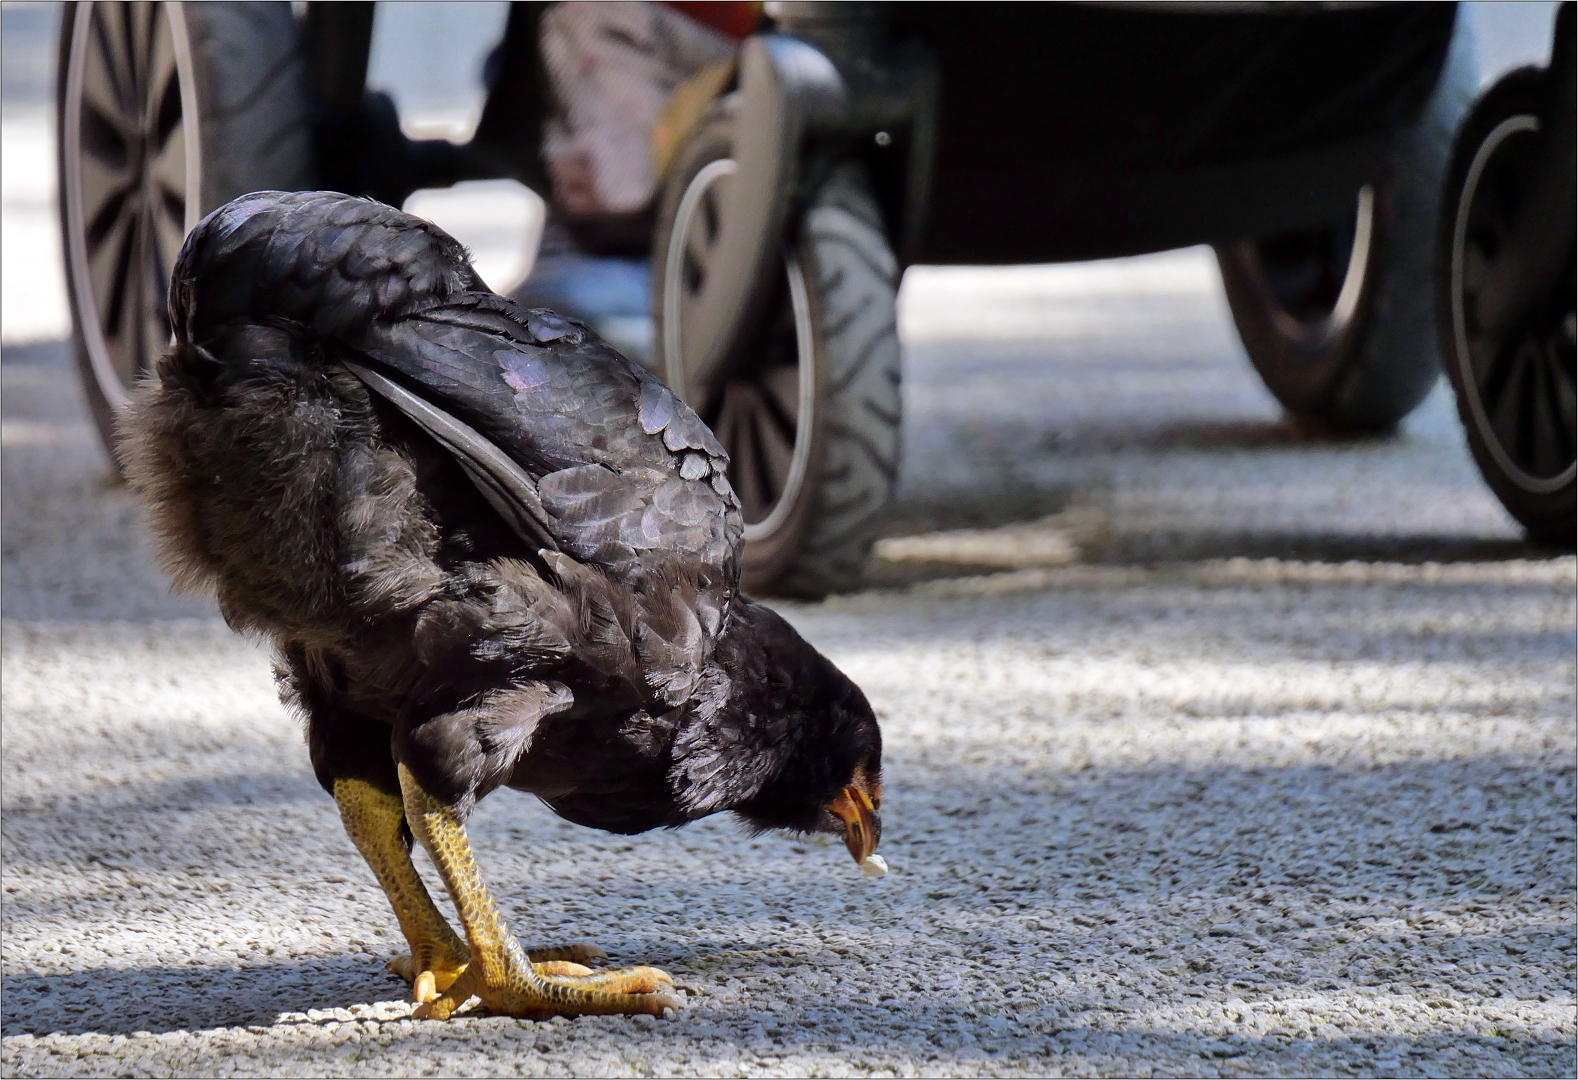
[
  {"x": 854, "y": 276},
  {"x": 251, "y": 84}
]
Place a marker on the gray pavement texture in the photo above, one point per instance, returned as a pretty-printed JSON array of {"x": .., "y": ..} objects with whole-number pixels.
[{"x": 1213, "y": 749}]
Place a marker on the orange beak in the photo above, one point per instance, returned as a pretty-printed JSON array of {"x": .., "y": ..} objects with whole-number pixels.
[{"x": 854, "y": 808}]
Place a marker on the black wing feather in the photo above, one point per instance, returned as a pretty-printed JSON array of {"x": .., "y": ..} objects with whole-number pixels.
[
  {"x": 581, "y": 452},
  {"x": 502, "y": 481}
]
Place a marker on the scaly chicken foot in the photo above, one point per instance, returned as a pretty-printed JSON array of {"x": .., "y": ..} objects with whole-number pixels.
[
  {"x": 500, "y": 973},
  {"x": 373, "y": 819}
]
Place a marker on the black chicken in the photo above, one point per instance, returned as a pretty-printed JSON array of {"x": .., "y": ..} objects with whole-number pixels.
[{"x": 489, "y": 551}]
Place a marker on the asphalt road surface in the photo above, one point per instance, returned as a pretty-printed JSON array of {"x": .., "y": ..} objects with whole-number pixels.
[{"x": 1212, "y": 749}]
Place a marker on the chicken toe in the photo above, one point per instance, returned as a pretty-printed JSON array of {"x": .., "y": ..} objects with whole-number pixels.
[
  {"x": 500, "y": 972},
  {"x": 576, "y": 952},
  {"x": 529, "y": 992}
]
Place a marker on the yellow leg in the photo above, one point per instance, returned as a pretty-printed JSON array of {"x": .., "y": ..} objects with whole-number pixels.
[
  {"x": 500, "y": 972},
  {"x": 373, "y": 819}
]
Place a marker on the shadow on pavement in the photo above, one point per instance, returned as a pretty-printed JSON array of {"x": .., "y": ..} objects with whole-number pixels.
[
  {"x": 1087, "y": 908},
  {"x": 957, "y": 1031},
  {"x": 120, "y": 1001}
]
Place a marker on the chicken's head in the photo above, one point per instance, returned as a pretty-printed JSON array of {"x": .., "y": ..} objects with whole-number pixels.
[{"x": 830, "y": 779}]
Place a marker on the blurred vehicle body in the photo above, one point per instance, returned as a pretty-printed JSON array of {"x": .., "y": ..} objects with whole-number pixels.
[{"x": 844, "y": 141}]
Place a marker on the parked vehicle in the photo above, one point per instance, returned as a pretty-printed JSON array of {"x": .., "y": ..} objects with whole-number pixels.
[
  {"x": 1507, "y": 289},
  {"x": 1308, "y": 143}
]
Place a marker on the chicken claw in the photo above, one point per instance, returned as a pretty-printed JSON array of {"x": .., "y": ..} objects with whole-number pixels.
[
  {"x": 500, "y": 971},
  {"x": 437, "y": 974},
  {"x": 431, "y": 977},
  {"x": 550, "y": 990}
]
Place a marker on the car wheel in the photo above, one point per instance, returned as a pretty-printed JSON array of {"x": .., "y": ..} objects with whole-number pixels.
[
  {"x": 1514, "y": 377},
  {"x": 1337, "y": 320},
  {"x": 809, "y": 408},
  {"x": 164, "y": 111}
]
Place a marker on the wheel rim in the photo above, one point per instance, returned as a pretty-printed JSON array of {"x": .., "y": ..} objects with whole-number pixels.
[
  {"x": 762, "y": 412},
  {"x": 1314, "y": 279},
  {"x": 1519, "y": 388},
  {"x": 131, "y": 157}
]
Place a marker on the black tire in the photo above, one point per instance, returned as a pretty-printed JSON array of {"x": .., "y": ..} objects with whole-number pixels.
[
  {"x": 1515, "y": 388},
  {"x": 227, "y": 77},
  {"x": 1339, "y": 321},
  {"x": 812, "y": 535}
]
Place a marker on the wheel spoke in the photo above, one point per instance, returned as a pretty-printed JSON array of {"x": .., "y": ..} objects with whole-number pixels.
[
  {"x": 162, "y": 107},
  {"x": 154, "y": 297},
  {"x": 775, "y": 436},
  {"x": 166, "y": 165},
  {"x": 1502, "y": 408},
  {"x": 99, "y": 97},
  {"x": 744, "y": 471},
  {"x": 109, "y": 213},
  {"x": 172, "y": 206},
  {"x": 131, "y": 39},
  {"x": 152, "y": 85},
  {"x": 103, "y": 139},
  {"x": 118, "y": 80},
  {"x": 131, "y": 67},
  {"x": 168, "y": 230},
  {"x": 102, "y": 260},
  {"x": 776, "y": 420},
  {"x": 701, "y": 240},
  {"x": 1563, "y": 391},
  {"x": 1558, "y": 401},
  {"x": 158, "y": 280},
  {"x": 137, "y": 291},
  {"x": 1506, "y": 409},
  {"x": 760, "y": 460},
  {"x": 169, "y": 114},
  {"x": 1494, "y": 379},
  {"x": 134, "y": 317},
  {"x": 125, "y": 255},
  {"x": 782, "y": 383},
  {"x": 1526, "y": 418},
  {"x": 721, "y": 421},
  {"x": 1544, "y": 429}
]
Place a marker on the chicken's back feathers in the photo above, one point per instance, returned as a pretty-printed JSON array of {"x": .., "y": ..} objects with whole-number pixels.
[{"x": 638, "y": 524}]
